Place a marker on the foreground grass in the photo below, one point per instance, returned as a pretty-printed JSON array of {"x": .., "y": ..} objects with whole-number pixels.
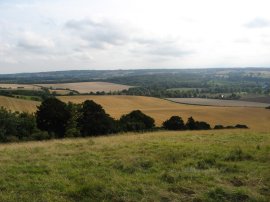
[{"x": 161, "y": 166}]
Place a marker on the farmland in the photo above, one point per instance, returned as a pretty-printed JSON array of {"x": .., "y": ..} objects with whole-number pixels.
[
  {"x": 20, "y": 105},
  {"x": 160, "y": 166},
  {"x": 87, "y": 87},
  {"x": 160, "y": 110},
  {"x": 256, "y": 118},
  {"x": 18, "y": 86},
  {"x": 217, "y": 102}
]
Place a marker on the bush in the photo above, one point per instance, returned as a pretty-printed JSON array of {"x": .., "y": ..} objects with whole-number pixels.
[
  {"x": 217, "y": 127},
  {"x": 241, "y": 126}
]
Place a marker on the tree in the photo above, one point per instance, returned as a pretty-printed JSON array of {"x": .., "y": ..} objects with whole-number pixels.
[
  {"x": 137, "y": 121},
  {"x": 191, "y": 124},
  {"x": 174, "y": 123},
  {"x": 52, "y": 116},
  {"x": 93, "y": 120},
  {"x": 201, "y": 125}
]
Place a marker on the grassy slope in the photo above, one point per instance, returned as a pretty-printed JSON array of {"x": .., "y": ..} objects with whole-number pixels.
[
  {"x": 15, "y": 104},
  {"x": 160, "y": 110},
  {"x": 160, "y": 166}
]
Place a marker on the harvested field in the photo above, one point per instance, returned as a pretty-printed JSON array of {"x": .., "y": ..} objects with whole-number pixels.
[
  {"x": 257, "y": 99},
  {"x": 216, "y": 102},
  {"x": 20, "y": 105},
  {"x": 18, "y": 86},
  {"x": 256, "y": 118},
  {"x": 87, "y": 87}
]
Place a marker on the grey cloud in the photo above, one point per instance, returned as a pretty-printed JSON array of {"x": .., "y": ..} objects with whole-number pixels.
[
  {"x": 161, "y": 47},
  {"x": 33, "y": 42},
  {"x": 98, "y": 34},
  {"x": 258, "y": 23}
]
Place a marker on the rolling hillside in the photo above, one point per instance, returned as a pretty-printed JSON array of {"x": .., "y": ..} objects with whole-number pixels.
[
  {"x": 20, "y": 105},
  {"x": 87, "y": 87},
  {"x": 159, "y": 166},
  {"x": 160, "y": 110},
  {"x": 256, "y": 118}
]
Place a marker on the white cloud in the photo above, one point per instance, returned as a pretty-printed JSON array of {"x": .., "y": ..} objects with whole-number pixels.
[
  {"x": 65, "y": 34},
  {"x": 31, "y": 41}
]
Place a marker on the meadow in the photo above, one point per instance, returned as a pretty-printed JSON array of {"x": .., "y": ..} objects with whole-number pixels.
[
  {"x": 159, "y": 166},
  {"x": 87, "y": 87}
]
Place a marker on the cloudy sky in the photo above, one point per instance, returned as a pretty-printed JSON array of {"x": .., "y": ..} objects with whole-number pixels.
[{"x": 38, "y": 35}]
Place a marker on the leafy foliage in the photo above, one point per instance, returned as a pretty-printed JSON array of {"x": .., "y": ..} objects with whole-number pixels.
[
  {"x": 53, "y": 116},
  {"x": 136, "y": 121}
]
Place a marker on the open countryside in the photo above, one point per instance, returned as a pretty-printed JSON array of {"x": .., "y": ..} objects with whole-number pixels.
[
  {"x": 160, "y": 109},
  {"x": 87, "y": 87}
]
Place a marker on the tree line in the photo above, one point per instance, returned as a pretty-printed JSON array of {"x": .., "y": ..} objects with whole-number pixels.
[{"x": 56, "y": 119}]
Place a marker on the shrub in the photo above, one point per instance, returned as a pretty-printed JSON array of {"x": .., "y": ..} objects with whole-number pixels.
[
  {"x": 241, "y": 126},
  {"x": 217, "y": 127}
]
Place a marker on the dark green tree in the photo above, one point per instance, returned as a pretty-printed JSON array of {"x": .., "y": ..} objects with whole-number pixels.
[
  {"x": 191, "y": 124},
  {"x": 174, "y": 123},
  {"x": 93, "y": 120},
  {"x": 52, "y": 116},
  {"x": 201, "y": 125},
  {"x": 137, "y": 121}
]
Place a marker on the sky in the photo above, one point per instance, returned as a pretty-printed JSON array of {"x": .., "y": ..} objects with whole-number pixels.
[{"x": 55, "y": 35}]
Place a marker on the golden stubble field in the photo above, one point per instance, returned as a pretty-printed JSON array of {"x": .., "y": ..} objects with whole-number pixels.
[
  {"x": 160, "y": 110},
  {"x": 87, "y": 87},
  {"x": 256, "y": 118},
  {"x": 20, "y": 105},
  {"x": 19, "y": 86}
]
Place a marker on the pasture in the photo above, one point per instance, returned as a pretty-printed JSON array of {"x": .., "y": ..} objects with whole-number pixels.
[
  {"x": 159, "y": 166},
  {"x": 87, "y": 87},
  {"x": 256, "y": 118},
  {"x": 217, "y": 102}
]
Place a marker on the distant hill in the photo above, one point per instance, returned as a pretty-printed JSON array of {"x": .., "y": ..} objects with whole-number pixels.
[{"x": 93, "y": 75}]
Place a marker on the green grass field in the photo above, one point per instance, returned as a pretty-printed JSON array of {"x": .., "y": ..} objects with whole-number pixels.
[{"x": 228, "y": 165}]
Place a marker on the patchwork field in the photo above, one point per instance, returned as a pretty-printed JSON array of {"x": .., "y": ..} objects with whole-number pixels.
[
  {"x": 19, "y": 86},
  {"x": 160, "y": 110},
  {"x": 20, "y": 105},
  {"x": 256, "y": 118},
  {"x": 216, "y": 102},
  {"x": 87, "y": 87},
  {"x": 160, "y": 166}
]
